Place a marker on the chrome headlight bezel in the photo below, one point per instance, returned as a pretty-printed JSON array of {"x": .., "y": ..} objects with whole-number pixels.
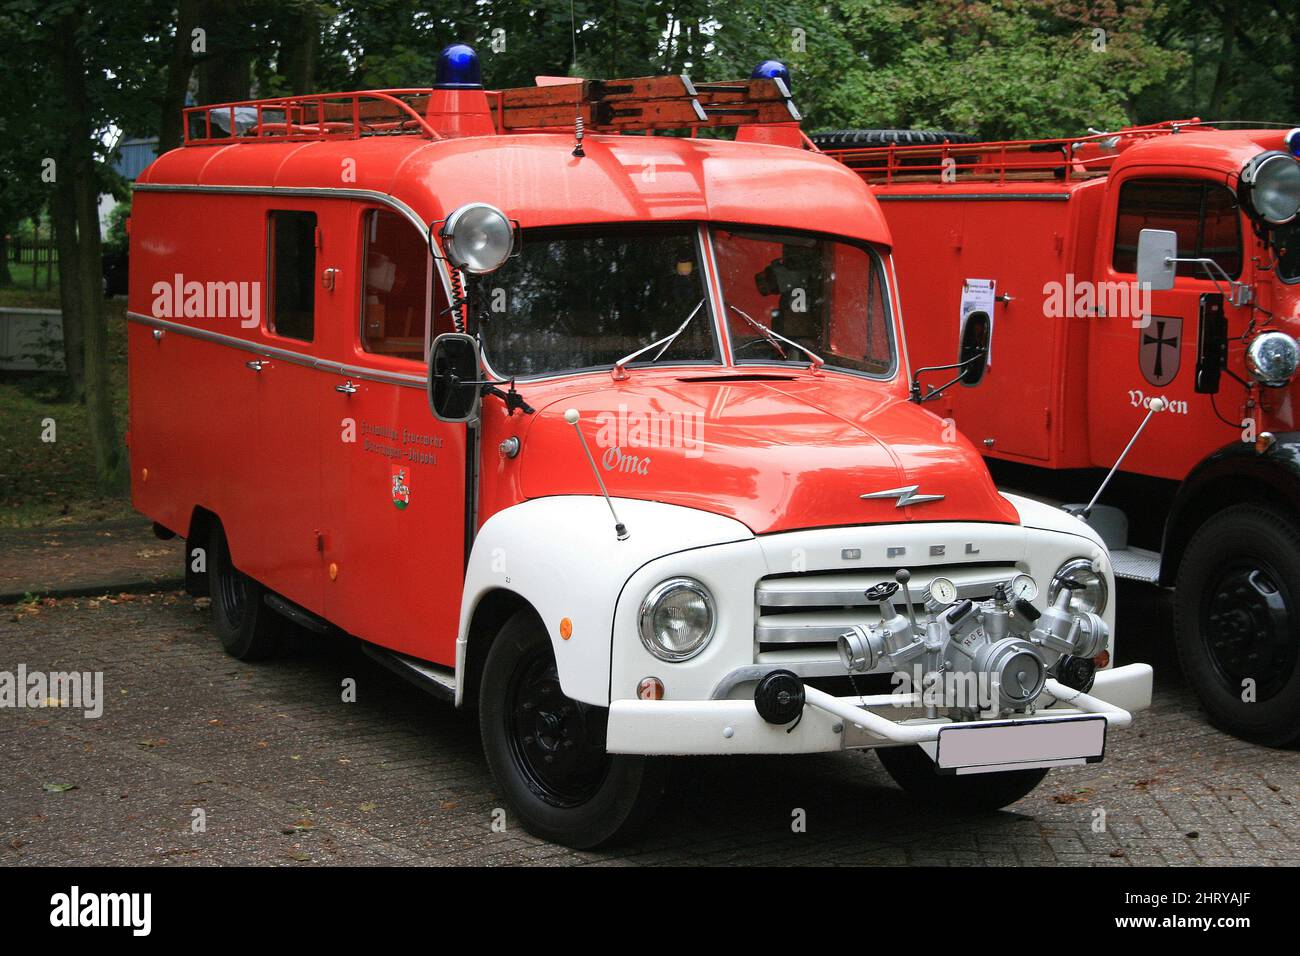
[
  {"x": 1081, "y": 569},
  {"x": 1267, "y": 185},
  {"x": 1272, "y": 358},
  {"x": 478, "y": 238},
  {"x": 650, "y": 606}
]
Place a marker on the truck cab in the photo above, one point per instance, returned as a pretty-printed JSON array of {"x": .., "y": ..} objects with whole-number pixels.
[
  {"x": 1152, "y": 263},
  {"x": 605, "y": 435}
]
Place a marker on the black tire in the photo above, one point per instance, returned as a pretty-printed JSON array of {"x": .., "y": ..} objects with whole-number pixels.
[
  {"x": 1237, "y": 617},
  {"x": 969, "y": 793},
  {"x": 246, "y": 627},
  {"x": 851, "y": 138},
  {"x": 581, "y": 797}
]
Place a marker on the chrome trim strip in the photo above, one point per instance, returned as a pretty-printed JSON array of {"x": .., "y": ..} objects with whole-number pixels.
[
  {"x": 318, "y": 192},
  {"x": 284, "y": 355},
  {"x": 713, "y": 291},
  {"x": 840, "y": 590},
  {"x": 975, "y": 197}
]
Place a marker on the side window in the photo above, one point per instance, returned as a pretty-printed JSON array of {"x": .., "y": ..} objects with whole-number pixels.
[
  {"x": 395, "y": 294},
  {"x": 1203, "y": 214},
  {"x": 291, "y": 274}
]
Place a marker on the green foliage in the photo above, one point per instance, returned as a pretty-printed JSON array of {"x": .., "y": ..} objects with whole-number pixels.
[{"x": 115, "y": 238}]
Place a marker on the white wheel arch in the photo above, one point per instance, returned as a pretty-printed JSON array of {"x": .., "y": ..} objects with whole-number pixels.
[{"x": 561, "y": 555}]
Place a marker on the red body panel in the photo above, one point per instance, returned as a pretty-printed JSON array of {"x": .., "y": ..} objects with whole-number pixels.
[
  {"x": 776, "y": 455},
  {"x": 1066, "y": 391},
  {"x": 353, "y": 502}
]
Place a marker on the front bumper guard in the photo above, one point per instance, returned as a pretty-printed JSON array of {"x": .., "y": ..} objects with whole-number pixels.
[{"x": 836, "y": 723}]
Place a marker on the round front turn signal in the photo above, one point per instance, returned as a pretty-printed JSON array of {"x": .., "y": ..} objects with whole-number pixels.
[
  {"x": 566, "y": 628},
  {"x": 1102, "y": 660},
  {"x": 650, "y": 688}
]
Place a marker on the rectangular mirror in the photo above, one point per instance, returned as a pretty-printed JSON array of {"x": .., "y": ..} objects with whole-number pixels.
[
  {"x": 1157, "y": 250},
  {"x": 454, "y": 377}
]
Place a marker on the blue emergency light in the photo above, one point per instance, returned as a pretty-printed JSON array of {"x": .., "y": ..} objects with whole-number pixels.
[
  {"x": 458, "y": 69},
  {"x": 1292, "y": 141},
  {"x": 771, "y": 70}
]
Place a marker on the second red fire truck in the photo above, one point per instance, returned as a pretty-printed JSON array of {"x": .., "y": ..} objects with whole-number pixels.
[
  {"x": 1153, "y": 263},
  {"x": 606, "y": 435}
]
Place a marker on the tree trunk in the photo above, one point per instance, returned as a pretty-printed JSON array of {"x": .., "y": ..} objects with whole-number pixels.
[
  {"x": 1223, "y": 75},
  {"x": 179, "y": 68},
  {"x": 85, "y": 274},
  {"x": 297, "y": 60},
  {"x": 63, "y": 215},
  {"x": 226, "y": 72},
  {"x": 6, "y": 278},
  {"x": 1295, "y": 69}
]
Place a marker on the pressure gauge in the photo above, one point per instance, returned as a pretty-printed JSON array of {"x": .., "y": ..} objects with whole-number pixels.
[
  {"x": 1023, "y": 588},
  {"x": 942, "y": 593}
]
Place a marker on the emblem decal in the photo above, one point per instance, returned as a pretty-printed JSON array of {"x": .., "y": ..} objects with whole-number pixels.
[
  {"x": 401, "y": 490},
  {"x": 905, "y": 496},
  {"x": 1160, "y": 349}
]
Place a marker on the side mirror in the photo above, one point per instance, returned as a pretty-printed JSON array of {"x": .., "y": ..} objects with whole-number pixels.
[
  {"x": 1157, "y": 250},
  {"x": 454, "y": 377},
  {"x": 976, "y": 338}
]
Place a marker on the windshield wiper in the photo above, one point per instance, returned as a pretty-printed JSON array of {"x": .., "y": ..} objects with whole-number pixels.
[
  {"x": 773, "y": 337},
  {"x": 619, "y": 370}
]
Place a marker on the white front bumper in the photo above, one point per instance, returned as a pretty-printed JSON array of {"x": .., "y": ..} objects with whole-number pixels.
[{"x": 682, "y": 727}]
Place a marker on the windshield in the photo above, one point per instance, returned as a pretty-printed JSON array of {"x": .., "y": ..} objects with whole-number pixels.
[
  {"x": 584, "y": 297},
  {"x": 826, "y": 295}
]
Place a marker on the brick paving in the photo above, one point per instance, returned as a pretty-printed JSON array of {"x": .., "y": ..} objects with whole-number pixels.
[
  {"x": 287, "y": 773},
  {"x": 89, "y": 559}
]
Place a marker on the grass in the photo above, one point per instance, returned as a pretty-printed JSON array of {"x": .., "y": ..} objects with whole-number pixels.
[
  {"x": 21, "y": 294},
  {"x": 53, "y": 483}
]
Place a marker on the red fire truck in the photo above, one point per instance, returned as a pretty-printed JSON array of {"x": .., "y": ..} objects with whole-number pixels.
[
  {"x": 1157, "y": 262},
  {"x": 495, "y": 385}
]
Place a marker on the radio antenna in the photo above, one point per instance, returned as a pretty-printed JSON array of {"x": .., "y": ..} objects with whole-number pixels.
[
  {"x": 1154, "y": 407},
  {"x": 571, "y": 416},
  {"x": 573, "y": 31},
  {"x": 578, "y": 131}
]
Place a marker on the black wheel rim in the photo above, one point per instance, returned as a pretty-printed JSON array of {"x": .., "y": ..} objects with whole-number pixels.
[
  {"x": 558, "y": 744},
  {"x": 232, "y": 588},
  {"x": 1249, "y": 626}
]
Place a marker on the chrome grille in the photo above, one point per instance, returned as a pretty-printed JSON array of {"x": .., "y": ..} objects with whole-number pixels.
[{"x": 794, "y": 611}]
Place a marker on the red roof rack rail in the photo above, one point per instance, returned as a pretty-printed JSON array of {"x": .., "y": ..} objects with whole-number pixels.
[
  {"x": 639, "y": 104},
  {"x": 996, "y": 161}
]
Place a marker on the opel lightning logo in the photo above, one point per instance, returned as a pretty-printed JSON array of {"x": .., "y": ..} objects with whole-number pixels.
[{"x": 905, "y": 496}]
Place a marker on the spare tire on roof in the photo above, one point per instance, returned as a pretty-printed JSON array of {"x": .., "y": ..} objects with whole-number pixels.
[{"x": 849, "y": 138}]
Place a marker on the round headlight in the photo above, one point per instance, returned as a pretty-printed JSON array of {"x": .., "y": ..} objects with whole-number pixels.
[
  {"x": 1271, "y": 183},
  {"x": 478, "y": 238},
  {"x": 677, "y": 619},
  {"x": 1091, "y": 592},
  {"x": 1272, "y": 358}
]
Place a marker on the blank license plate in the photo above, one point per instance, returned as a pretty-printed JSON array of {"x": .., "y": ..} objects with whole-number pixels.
[{"x": 984, "y": 748}]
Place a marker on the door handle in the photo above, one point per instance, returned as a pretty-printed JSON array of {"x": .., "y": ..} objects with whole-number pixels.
[
  {"x": 258, "y": 364},
  {"x": 347, "y": 388}
]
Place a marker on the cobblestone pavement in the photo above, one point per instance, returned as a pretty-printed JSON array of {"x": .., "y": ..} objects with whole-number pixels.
[
  {"x": 87, "y": 559},
  {"x": 284, "y": 772}
]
